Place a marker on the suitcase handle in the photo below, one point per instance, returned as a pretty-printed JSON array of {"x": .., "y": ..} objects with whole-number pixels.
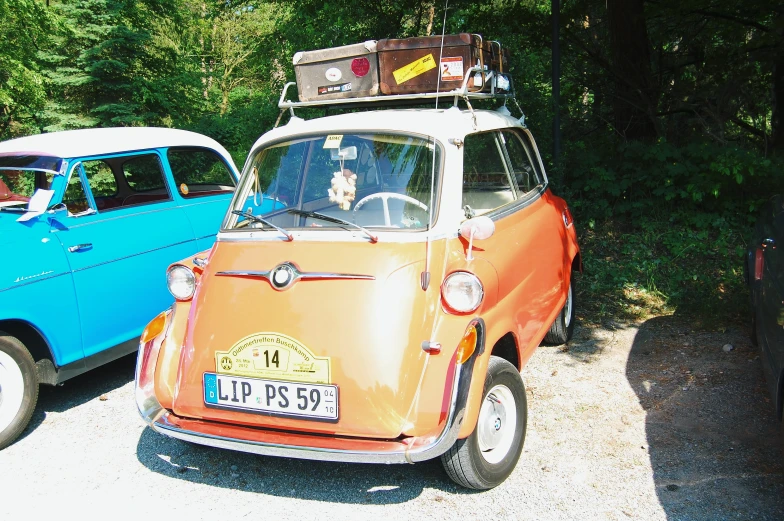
[
  {"x": 500, "y": 55},
  {"x": 481, "y": 62}
]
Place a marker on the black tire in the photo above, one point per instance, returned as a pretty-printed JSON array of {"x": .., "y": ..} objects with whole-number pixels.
[
  {"x": 465, "y": 462},
  {"x": 16, "y": 405},
  {"x": 562, "y": 328}
]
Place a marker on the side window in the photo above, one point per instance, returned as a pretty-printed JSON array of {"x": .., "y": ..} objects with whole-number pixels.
[
  {"x": 524, "y": 162},
  {"x": 145, "y": 178},
  {"x": 100, "y": 178},
  {"x": 75, "y": 198},
  {"x": 198, "y": 172},
  {"x": 486, "y": 181}
]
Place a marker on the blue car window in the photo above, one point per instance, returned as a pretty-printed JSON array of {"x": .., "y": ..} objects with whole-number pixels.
[
  {"x": 75, "y": 198},
  {"x": 198, "y": 172},
  {"x": 100, "y": 178},
  {"x": 144, "y": 177},
  {"x": 19, "y": 185}
]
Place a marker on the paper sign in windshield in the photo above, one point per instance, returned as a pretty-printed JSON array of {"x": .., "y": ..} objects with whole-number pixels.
[
  {"x": 333, "y": 141},
  {"x": 37, "y": 205}
]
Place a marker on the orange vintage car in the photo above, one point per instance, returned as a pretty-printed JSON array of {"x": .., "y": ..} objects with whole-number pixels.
[{"x": 377, "y": 285}]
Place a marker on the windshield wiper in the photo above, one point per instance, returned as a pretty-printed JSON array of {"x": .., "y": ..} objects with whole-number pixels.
[
  {"x": 336, "y": 220},
  {"x": 14, "y": 209},
  {"x": 257, "y": 219}
]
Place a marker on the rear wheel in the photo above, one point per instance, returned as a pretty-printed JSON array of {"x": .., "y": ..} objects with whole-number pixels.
[
  {"x": 562, "y": 328},
  {"x": 485, "y": 459},
  {"x": 18, "y": 389}
]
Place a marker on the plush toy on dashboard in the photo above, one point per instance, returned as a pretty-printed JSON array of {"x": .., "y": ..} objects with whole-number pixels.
[{"x": 343, "y": 189}]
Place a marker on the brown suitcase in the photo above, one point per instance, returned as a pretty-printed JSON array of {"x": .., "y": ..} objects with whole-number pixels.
[
  {"x": 350, "y": 71},
  {"x": 415, "y": 65}
]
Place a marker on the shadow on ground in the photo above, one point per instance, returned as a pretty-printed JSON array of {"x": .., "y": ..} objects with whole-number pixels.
[
  {"x": 714, "y": 443},
  {"x": 282, "y": 477},
  {"x": 81, "y": 389}
]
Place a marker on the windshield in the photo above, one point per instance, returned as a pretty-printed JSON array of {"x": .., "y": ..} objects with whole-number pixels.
[
  {"x": 372, "y": 180},
  {"x": 17, "y": 186}
]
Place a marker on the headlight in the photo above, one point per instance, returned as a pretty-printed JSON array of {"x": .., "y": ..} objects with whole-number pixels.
[
  {"x": 462, "y": 292},
  {"x": 181, "y": 282}
]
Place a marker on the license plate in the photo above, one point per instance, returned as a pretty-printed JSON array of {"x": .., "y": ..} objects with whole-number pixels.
[{"x": 276, "y": 398}]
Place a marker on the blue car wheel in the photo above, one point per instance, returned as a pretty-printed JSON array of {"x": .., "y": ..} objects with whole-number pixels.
[{"x": 18, "y": 388}]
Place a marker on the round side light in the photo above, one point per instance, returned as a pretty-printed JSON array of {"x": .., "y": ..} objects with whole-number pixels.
[
  {"x": 181, "y": 282},
  {"x": 462, "y": 292}
]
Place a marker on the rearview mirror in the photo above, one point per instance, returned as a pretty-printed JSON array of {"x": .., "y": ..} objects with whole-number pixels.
[
  {"x": 481, "y": 227},
  {"x": 348, "y": 153}
]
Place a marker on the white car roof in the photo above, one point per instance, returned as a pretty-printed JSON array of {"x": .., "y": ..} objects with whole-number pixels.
[
  {"x": 100, "y": 141},
  {"x": 443, "y": 124}
]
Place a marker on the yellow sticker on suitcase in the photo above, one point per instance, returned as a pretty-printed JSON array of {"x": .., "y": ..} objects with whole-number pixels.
[{"x": 414, "y": 69}]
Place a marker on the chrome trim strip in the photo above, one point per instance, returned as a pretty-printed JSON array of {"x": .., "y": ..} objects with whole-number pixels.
[
  {"x": 327, "y": 276},
  {"x": 336, "y": 236},
  {"x": 292, "y": 275},
  {"x": 159, "y": 422},
  {"x": 19, "y": 284}
]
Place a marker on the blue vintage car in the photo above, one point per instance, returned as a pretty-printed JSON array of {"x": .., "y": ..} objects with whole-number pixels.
[{"x": 89, "y": 220}]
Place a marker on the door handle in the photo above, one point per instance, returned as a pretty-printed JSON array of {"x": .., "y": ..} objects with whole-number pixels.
[{"x": 80, "y": 247}]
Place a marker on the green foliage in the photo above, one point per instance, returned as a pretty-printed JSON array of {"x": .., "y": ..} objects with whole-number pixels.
[
  {"x": 670, "y": 213},
  {"x": 635, "y": 179}
]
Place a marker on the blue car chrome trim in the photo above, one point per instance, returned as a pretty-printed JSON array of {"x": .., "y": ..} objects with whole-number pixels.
[
  {"x": 284, "y": 275},
  {"x": 165, "y": 422},
  {"x": 33, "y": 280},
  {"x": 122, "y": 258}
]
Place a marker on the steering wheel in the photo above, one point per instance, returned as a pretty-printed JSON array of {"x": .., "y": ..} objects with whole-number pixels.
[{"x": 384, "y": 196}]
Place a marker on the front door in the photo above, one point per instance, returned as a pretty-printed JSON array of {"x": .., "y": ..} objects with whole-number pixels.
[{"x": 121, "y": 232}]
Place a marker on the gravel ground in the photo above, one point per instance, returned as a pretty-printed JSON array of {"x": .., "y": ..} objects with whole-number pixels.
[{"x": 653, "y": 421}]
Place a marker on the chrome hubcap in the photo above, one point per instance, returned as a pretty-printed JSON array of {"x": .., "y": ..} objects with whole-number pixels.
[
  {"x": 568, "y": 307},
  {"x": 11, "y": 390},
  {"x": 497, "y": 423}
]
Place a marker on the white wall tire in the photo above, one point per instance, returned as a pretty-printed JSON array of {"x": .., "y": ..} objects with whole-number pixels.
[
  {"x": 485, "y": 459},
  {"x": 18, "y": 389}
]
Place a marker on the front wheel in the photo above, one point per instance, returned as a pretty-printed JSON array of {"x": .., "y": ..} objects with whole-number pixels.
[
  {"x": 485, "y": 459},
  {"x": 18, "y": 389}
]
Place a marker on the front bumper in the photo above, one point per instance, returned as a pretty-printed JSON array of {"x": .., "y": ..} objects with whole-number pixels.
[{"x": 269, "y": 442}]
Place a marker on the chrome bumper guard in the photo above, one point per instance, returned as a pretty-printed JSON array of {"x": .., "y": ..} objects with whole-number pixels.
[{"x": 317, "y": 447}]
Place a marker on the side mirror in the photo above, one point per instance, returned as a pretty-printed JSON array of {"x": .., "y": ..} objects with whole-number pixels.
[
  {"x": 481, "y": 227},
  {"x": 58, "y": 209}
]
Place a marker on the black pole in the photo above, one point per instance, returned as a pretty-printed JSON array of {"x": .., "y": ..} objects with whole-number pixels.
[{"x": 555, "y": 7}]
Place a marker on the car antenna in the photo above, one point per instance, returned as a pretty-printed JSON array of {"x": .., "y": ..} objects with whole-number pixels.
[{"x": 424, "y": 279}]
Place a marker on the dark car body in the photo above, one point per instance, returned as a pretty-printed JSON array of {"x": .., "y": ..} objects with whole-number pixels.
[{"x": 765, "y": 274}]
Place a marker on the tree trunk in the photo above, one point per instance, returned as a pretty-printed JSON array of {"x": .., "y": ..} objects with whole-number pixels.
[{"x": 635, "y": 96}]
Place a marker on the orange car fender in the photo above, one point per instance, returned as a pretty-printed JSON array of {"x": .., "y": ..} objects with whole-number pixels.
[
  {"x": 169, "y": 356},
  {"x": 171, "y": 348},
  {"x": 495, "y": 327}
]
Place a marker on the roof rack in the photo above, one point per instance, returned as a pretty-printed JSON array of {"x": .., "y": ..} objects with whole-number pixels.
[{"x": 457, "y": 95}]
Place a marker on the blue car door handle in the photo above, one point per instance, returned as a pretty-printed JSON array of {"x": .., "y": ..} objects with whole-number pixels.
[{"x": 80, "y": 247}]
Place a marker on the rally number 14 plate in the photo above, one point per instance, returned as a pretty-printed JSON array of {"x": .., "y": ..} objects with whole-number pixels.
[{"x": 276, "y": 398}]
